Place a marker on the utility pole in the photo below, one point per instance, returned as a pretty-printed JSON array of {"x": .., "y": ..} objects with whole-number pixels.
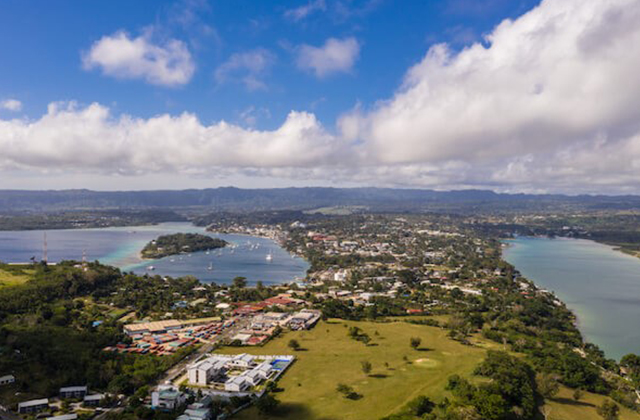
[{"x": 44, "y": 249}]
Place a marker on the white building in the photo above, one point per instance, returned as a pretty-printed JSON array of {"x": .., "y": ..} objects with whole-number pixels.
[
  {"x": 201, "y": 373},
  {"x": 237, "y": 384},
  {"x": 243, "y": 360},
  {"x": 73, "y": 416},
  {"x": 7, "y": 379},
  {"x": 33, "y": 405},
  {"x": 167, "y": 397}
]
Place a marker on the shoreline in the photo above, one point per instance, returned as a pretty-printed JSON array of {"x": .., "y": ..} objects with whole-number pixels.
[{"x": 590, "y": 316}]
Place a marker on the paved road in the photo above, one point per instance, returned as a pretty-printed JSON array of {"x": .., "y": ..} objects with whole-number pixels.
[{"x": 176, "y": 370}]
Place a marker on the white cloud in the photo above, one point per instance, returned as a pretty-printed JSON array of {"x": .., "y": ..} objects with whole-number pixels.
[
  {"x": 546, "y": 88},
  {"x": 11, "y": 105},
  {"x": 73, "y": 138},
  {"x": 168, "y": 63},
  {"x": 248, "y": 67},
  {"x": 335, "y": 56},
  {"x": 550, "y": 102},
  {"x": 304, "y": 11}
]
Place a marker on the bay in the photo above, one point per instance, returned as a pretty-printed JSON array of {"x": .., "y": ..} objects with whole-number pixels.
[
  {"x": 120, "y": 247},
  {"x": 600, "y": 284}
]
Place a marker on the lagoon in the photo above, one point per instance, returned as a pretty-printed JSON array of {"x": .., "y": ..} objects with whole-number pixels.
[
  {"x": 600, "y": 284},
  {"x": 120, "y": 247}
]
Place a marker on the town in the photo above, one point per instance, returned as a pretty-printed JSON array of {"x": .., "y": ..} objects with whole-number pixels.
[{"x": 177, "y": 348}]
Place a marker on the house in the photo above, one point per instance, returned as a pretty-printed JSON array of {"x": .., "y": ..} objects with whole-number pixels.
[
  {"x": 33, "y": 406},
  {"x": 7, "y": 379},
  {"x": 167, "y": 397},
  {"x": 73, "y": 392},
  {"x": 73, "y": 416},
  {"x": 92, "y": 400}
]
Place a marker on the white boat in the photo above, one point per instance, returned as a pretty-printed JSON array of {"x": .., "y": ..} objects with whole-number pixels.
[
  {"x": 210, "y": 268},
  {"x": 269, "y": 257},
  {"x": 151, "y": 268}
]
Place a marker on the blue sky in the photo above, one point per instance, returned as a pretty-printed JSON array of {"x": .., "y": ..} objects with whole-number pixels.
[
  {"x": 49, "y": 37},
  {"x": 511, "y": 95}
]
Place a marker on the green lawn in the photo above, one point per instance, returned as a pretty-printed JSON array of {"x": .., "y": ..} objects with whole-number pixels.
[
  {"x": 563, "y": 407},
  {"x": 12, "y": 276},
  {"x": 331, "y": 357}
]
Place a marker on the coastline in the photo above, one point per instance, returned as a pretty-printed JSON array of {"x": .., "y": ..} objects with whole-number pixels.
[{"x": 587, "y": 277}]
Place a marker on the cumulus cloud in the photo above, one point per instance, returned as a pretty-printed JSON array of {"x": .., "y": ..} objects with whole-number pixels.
[
  {"x": 335, "y": 56},
  {"x": 548, "y": 102},
  {"x": 249, "y": 67},
  {"x": 70, "y": 137},
  {"x": 11, "y": 105},
  {"x": 300, "y": 13},
  {"x": 541, "y": 89},
  {"x": 119, "y": 55}
]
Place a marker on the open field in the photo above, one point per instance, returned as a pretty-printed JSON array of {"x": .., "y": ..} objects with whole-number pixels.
[
  {"x": 563, "y": 407},
  {"x": 330, "y": 357},
  {"x": 11, "y": 276}
]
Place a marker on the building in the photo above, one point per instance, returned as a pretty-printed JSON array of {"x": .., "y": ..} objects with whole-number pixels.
[
  {"x": 156, "y": 327},
  {"x": 92, "y": 400},
  {"x": 73, "y": 416},
  {"x": 33, "y": 406},
  {"x": 201, "y": 373},
  {"x": 237, "y": 384},
  {"x": 244, "y": 361},
  {"x": 196, "y": 414},
  {"x": 167, "y": 397},
  {"x": 7, "y": 380},
  {"x": 73, "y": 392},
  {"x": 304, "y": 319}
]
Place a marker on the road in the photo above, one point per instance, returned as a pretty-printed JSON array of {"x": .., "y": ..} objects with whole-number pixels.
[{"x": 177, "y": 369}]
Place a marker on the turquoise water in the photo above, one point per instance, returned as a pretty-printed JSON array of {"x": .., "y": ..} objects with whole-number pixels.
[
  {"x": 601, "y": 285},
  {"x": 120, "y": 247}
]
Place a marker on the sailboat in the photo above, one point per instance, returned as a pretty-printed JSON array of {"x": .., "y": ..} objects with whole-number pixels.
[
  {"x": 269, "y": 257},
  {"x": 210, "y": 268}
]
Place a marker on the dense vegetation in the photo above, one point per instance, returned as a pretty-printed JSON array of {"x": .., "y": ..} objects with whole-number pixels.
[
  {"x": 85, "y": 219},
  {"x": 179, "y": 243},
  {"x": 50, "y": 338}
]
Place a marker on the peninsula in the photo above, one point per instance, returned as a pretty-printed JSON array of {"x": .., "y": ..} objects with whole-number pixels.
[{"x": 180, "y": 243}]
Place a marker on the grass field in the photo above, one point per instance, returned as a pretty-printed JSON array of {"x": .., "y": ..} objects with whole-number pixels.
[
  {"x": 14, "y": 276},
  {"x": 330, "y": 357},
  {"x": 563, "y": 407}
]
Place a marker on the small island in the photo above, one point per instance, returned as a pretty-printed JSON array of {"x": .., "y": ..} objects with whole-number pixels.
[{"x": 180, "y": 243}]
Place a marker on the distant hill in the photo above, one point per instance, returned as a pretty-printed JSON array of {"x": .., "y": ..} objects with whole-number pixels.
[{"x": 236, "y": 199}]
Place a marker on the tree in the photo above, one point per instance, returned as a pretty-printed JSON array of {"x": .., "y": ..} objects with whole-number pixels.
[
  {"x": 577, "y": 394},
  {"x": 294, "y": 345},
  {"x": 267, "y": 404},
  {"x": 348, "y": 392},
  {"x": 609, "y": 410},
  {"x": 240, "y": 282},
  {"x": 547, "y": 384},
  {"x": 420, "y": 405},
  {"x": 415, "y": 342},
  {"x": 366, "y": 367}
]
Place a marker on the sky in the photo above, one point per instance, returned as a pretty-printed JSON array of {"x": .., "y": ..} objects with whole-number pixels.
[{"x": 508, "y": 95}]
